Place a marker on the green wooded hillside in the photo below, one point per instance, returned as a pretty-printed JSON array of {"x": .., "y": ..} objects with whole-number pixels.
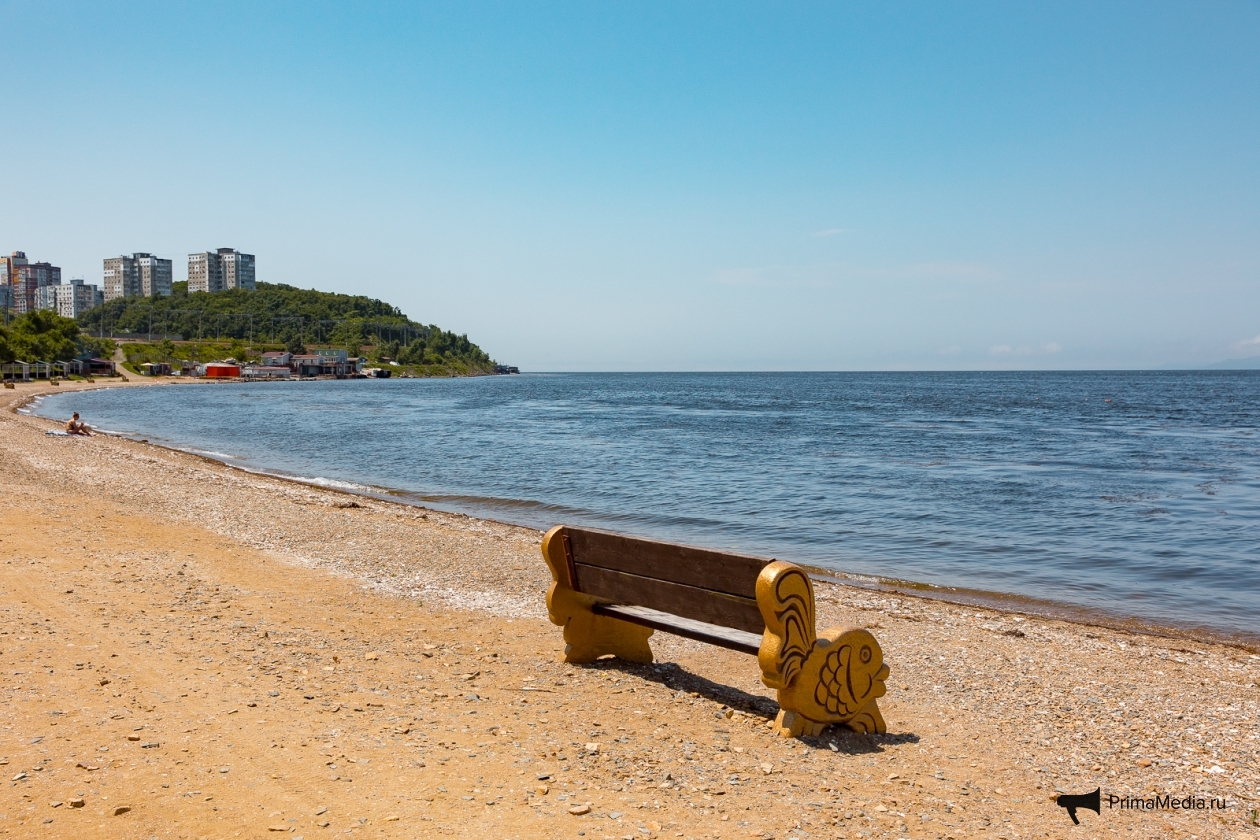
[{"x": 276, "y": 314}]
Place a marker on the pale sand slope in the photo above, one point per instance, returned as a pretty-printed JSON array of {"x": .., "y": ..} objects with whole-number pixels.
[{"x": 230, "y": 655}]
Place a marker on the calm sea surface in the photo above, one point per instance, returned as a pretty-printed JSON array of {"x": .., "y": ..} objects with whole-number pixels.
[{"x": 1136, "y": 495}]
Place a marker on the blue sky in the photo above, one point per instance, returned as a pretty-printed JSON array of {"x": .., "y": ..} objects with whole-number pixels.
[{"x": 673, "y": 186}]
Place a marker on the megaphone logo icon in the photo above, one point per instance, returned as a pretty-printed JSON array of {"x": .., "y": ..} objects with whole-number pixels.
[{"x": 1072, "y": 801}]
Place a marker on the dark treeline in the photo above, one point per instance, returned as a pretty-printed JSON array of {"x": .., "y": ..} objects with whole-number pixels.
[
  {"x": 43, "y": 336},
  {"x": 279, "y": 314}
]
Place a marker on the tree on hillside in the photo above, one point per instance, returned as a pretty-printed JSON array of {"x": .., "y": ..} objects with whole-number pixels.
[{"x": 412, "y": 354}]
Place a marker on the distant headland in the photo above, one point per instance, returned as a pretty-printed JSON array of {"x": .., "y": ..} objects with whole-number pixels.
[{"x": 192, "y": 327}]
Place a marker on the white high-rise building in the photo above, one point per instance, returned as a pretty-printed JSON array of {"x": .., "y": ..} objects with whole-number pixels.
[
  {"x": 155, "y": 275},
  {"x": 214, "y": 271},
  {"x": 68, "y": 300},
  {"x": 121, "y": 278},
  {"x": 140, "y": 275}
]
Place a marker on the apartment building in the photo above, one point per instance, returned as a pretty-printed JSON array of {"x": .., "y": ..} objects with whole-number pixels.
[
  {"x": 140, "y": 275},
  {"x": 155, "y": 275},
  {"x": 214, "y": 271},
  {"x": 8, "y": 275},
  {"x": 69, "y": 299},
  {"x": 121, "y": 278},
  {"x": 27, "y": 279},
  {"x": 8, "y": 267},
  {"x": 205, "y": 272}
]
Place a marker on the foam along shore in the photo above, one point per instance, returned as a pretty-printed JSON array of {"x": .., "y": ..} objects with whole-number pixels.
[{"x": 195, "y": 650}]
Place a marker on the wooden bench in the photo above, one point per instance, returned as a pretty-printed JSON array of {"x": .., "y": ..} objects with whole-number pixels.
[{"x": 611, "y": 592}]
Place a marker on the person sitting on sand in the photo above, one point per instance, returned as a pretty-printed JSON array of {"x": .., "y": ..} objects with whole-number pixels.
[{"x": 75, "y": 426}]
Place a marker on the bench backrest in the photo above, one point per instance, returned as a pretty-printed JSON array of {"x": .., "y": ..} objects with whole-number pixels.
[{"x": 697, "y": 583}]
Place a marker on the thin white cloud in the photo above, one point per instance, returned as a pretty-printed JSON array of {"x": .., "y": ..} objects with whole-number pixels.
[
  {"x": 1024, "y": 350},
  {"x": 1008, "y": 350},
  {"x": 952, "y": 350},
  {"x": 1248, "y": 344}
]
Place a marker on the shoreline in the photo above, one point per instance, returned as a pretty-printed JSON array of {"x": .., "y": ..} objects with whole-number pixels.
[
  {"x": 205, "y": 651},
  {"x": 1005, "y": 602}
]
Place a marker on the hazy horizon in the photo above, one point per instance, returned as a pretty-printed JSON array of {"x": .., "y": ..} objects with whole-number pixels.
[{"x": 658, "y": 187}]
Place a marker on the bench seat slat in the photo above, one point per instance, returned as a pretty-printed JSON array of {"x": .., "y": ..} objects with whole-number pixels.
[
  {"x": 687, "y": 628},
  {"x": 674, "y": 598},
  {"x": 732, "y": 574}
]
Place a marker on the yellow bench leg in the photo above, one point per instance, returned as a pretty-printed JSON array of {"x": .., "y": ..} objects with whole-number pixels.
[{"x": 587, "y": 636}]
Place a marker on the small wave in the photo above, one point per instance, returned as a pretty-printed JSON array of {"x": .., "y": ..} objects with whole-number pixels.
[
  {"x": 320, "y": 481},
  {"x": 485, "y": 501},
  {"x": 210, "y": 453}
]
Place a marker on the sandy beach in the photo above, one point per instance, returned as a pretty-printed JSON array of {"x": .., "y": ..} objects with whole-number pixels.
[{"x": 192, "y": 650}]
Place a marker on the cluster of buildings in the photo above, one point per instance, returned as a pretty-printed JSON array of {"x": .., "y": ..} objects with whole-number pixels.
[
  {"x": 27, "y": 286},
  {"x": 336, "y": 364}
]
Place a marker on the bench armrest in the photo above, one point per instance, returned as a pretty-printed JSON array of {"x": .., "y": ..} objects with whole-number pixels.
[{"x": 832, "y": 678}]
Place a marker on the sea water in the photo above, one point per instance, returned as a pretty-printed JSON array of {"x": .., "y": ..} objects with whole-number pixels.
[{"x": 1133, "y": 495}]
